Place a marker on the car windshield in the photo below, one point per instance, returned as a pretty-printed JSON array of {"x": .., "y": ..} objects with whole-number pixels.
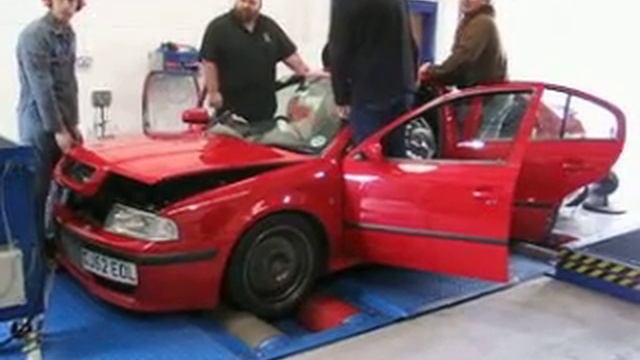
[{"x": 305, "y": 121}]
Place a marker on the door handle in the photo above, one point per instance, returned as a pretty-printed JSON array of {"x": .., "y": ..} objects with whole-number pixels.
[
  {"x": 484, "y": 194},
  {"x": 574, "y": 166}
]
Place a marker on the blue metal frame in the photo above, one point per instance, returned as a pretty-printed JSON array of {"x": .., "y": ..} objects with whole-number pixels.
[
  {"x": 18, "y": 191},
  {"x": 429, "y": 12},
  {"x": 611, "y": 266},
  {"x": 383, "y": 296},
  {"x": 598, "y": 285}
]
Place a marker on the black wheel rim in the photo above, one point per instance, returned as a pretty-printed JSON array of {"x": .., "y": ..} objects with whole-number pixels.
[{"x": 279, "y": 264}]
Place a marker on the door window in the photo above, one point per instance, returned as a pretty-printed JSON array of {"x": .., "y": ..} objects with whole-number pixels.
[
  {"x": 570, "y": 117},
  {"x": 478, "y": 127}
]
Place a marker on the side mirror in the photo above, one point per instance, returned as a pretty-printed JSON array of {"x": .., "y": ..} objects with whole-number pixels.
[
  {"x": 371, "y": 152},
  {"x": 196, "y": 116}
]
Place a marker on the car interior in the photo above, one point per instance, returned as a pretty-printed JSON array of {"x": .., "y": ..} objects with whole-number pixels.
[{"x": 469, "y": 128}]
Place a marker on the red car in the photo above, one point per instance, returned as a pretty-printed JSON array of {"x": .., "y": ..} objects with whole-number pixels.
[{"x": 255, "y": 214}]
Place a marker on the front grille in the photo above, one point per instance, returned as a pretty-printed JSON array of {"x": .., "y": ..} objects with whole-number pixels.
[
  {"x": 92, "y": 210},
  {"x": 77, "y": 171},
  {"x": 118, "y": 189},
  {"x": 114, "y": 286}
]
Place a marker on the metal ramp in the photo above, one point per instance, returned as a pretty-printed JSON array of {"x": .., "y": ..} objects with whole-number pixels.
[{"x": 611, "y": 266}]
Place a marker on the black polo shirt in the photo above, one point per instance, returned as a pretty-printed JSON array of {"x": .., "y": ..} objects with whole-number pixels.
[{"x": 246, "y": 63}]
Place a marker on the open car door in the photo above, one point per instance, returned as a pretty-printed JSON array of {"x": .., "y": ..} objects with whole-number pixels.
[
  {"x": 576, "y": 140},
  {"x": 450, "y": 213}
]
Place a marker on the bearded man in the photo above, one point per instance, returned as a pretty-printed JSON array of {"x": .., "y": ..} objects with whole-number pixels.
[{"x": 240, "y": 51}]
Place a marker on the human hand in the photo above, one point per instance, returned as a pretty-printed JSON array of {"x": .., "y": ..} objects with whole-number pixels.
[
  {"x": 423, "y": 72},
  {"x": 344, "y": 112},
  {"x": 215, "y": 100},
  {"x": 65, "y": 141},
  {"x": 318, "y": 74},
  {"x": 77, "y": 136}
]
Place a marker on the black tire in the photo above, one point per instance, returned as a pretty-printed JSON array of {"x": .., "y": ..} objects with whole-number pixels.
[{"x": 274, "y": 266}]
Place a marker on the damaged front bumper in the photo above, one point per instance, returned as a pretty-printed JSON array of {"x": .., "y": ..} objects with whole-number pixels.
[{"x": 134, "y": 275}]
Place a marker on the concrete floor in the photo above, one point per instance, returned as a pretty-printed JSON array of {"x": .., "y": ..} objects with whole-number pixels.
[{"x": 540, "y": 320}]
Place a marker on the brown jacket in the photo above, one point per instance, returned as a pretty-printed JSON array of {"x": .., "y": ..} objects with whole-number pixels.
[{"x": 478, "y": 57}]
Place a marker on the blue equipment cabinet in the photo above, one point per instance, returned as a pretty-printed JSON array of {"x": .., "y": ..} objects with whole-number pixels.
[{"x": 17, "y": 222}]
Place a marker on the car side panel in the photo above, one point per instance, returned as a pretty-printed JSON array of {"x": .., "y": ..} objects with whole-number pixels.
[{"x": 222, "y": 216}]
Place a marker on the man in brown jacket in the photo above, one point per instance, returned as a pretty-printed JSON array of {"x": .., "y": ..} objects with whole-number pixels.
[{"x": 477, "y": 57}]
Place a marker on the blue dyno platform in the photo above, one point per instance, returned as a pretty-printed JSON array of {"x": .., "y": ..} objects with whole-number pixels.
[
  {"x": 80, "y": 327},
  {"x": 611, "y": 266}
]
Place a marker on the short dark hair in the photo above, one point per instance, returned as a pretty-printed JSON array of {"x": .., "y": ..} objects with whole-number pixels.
[{"x": 49, "y": 3}]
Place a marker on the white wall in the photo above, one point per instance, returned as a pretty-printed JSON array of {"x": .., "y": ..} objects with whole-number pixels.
[
  {"x": 118, "y": 34},
  {"x": 446, "y": 27},
  {"x": 583, "y": 44}
]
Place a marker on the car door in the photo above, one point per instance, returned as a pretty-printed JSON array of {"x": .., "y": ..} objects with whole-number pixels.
[
  {"x": 576, "y": 140},
  {"x": 450, "y": 214}
]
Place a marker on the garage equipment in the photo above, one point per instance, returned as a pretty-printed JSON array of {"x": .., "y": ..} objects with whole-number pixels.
[
  {"x": 171, "y": 86},
  {"x": 611, "y": 266},
  {"x": 598, "y": 196},
  {"x": 22, "y": 266},
  {"x": 101, "y": 101}
]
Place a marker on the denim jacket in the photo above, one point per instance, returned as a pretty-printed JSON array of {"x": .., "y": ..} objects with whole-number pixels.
[{"x": 49, "y": 89}]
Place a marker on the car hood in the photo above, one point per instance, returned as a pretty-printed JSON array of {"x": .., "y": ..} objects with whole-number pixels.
[{"x": 152, "y": 160}]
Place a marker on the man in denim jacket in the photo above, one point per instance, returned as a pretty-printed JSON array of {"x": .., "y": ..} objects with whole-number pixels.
[{"x": 48, "y": 107}]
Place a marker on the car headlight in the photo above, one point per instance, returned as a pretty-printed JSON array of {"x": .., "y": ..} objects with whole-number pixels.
[{"x": 141, "y": 225}]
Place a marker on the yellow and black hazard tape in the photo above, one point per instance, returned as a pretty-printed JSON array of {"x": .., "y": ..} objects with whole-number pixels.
[{"x": 612, "y": 272}]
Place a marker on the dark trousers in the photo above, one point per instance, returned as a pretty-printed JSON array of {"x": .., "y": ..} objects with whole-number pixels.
[{"x": 367, "y": 119}]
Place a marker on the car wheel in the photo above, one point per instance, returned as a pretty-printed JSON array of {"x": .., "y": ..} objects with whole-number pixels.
[{"x": 274, "y": 266}]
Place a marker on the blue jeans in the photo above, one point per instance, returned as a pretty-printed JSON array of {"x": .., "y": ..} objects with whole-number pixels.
[
  {"x": 47, "y": 156},
  {"x": 367, "y": 119}
]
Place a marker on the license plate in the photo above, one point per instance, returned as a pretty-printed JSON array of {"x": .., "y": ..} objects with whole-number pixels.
[{"x": 116, "y": 270}]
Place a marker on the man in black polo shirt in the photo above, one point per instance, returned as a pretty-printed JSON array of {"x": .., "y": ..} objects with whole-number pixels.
[{"x": 240, "y": 51}]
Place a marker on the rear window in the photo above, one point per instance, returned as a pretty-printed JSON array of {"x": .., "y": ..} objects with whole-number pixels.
[{"x": 570, "y": 117}]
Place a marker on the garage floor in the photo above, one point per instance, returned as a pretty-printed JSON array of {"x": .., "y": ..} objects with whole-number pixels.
[
  {"x": 537, "y": 319},
  {"x": 544, "y": 319}
]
